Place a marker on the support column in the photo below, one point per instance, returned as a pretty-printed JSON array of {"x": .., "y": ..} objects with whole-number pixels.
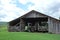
[
  {"x": 56, "y": 28},
  {"x": 49, "y": 25},
  {"x": 22, "y": 25}
]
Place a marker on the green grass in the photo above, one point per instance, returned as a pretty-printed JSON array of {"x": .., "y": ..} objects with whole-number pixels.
[{"x": 5, "y": 35}]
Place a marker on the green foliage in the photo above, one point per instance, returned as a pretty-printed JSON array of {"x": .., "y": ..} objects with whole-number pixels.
[
  {"x": 3, "y": 29},
  {"x": 3, "y": 23},
  {"x": 3, "y": 26}
]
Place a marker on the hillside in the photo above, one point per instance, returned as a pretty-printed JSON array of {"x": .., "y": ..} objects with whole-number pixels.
[{"x": 3, "y": 24}]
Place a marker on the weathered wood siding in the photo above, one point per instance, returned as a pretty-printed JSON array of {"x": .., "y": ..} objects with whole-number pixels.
[
  {"x": 22, "y": 25},
  {"x": 53, "y": 25},
  {"x": 59, "y": 27},
  {"x": 34, "y": 15}
]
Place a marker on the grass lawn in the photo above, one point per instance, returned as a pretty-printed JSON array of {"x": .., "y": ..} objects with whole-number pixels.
[{"x": 4, "y": 35}]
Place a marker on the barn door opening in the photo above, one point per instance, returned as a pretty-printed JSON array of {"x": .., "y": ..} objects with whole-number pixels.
[{"x": 36, "y": 24}]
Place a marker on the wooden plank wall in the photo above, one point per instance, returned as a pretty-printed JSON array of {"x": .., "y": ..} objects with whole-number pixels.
[
  {"x": 34, "y": 15},
  {"x": 53, "y": 26},
  {"x": 22, "y": 25},
  {"x": 59, "y": 27}
]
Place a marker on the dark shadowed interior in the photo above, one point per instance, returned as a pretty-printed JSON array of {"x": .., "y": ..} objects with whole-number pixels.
[
  {"x": 35, "y": 23},
  {"x": 14, "y": 22}
]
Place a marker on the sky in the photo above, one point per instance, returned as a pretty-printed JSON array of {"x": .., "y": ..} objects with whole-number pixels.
[{"x": 12, "y": 9}]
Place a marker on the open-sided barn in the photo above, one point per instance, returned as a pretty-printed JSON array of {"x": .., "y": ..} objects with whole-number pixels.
[{"x": 35, "y": 21}]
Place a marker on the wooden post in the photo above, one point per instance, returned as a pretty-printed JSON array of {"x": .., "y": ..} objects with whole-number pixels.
[
  {"x": 38, "y": 26},
  {"x": 49, "y": 23},
  {"x": 29, "y": 27},
  {"x": 22, "y": 25}
]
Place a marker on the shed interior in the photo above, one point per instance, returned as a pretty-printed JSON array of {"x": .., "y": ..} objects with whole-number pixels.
[{"x": 36, "y": 24}]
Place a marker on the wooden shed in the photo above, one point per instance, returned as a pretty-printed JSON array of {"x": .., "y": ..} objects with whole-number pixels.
[{"x": 34, "y": 21}]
